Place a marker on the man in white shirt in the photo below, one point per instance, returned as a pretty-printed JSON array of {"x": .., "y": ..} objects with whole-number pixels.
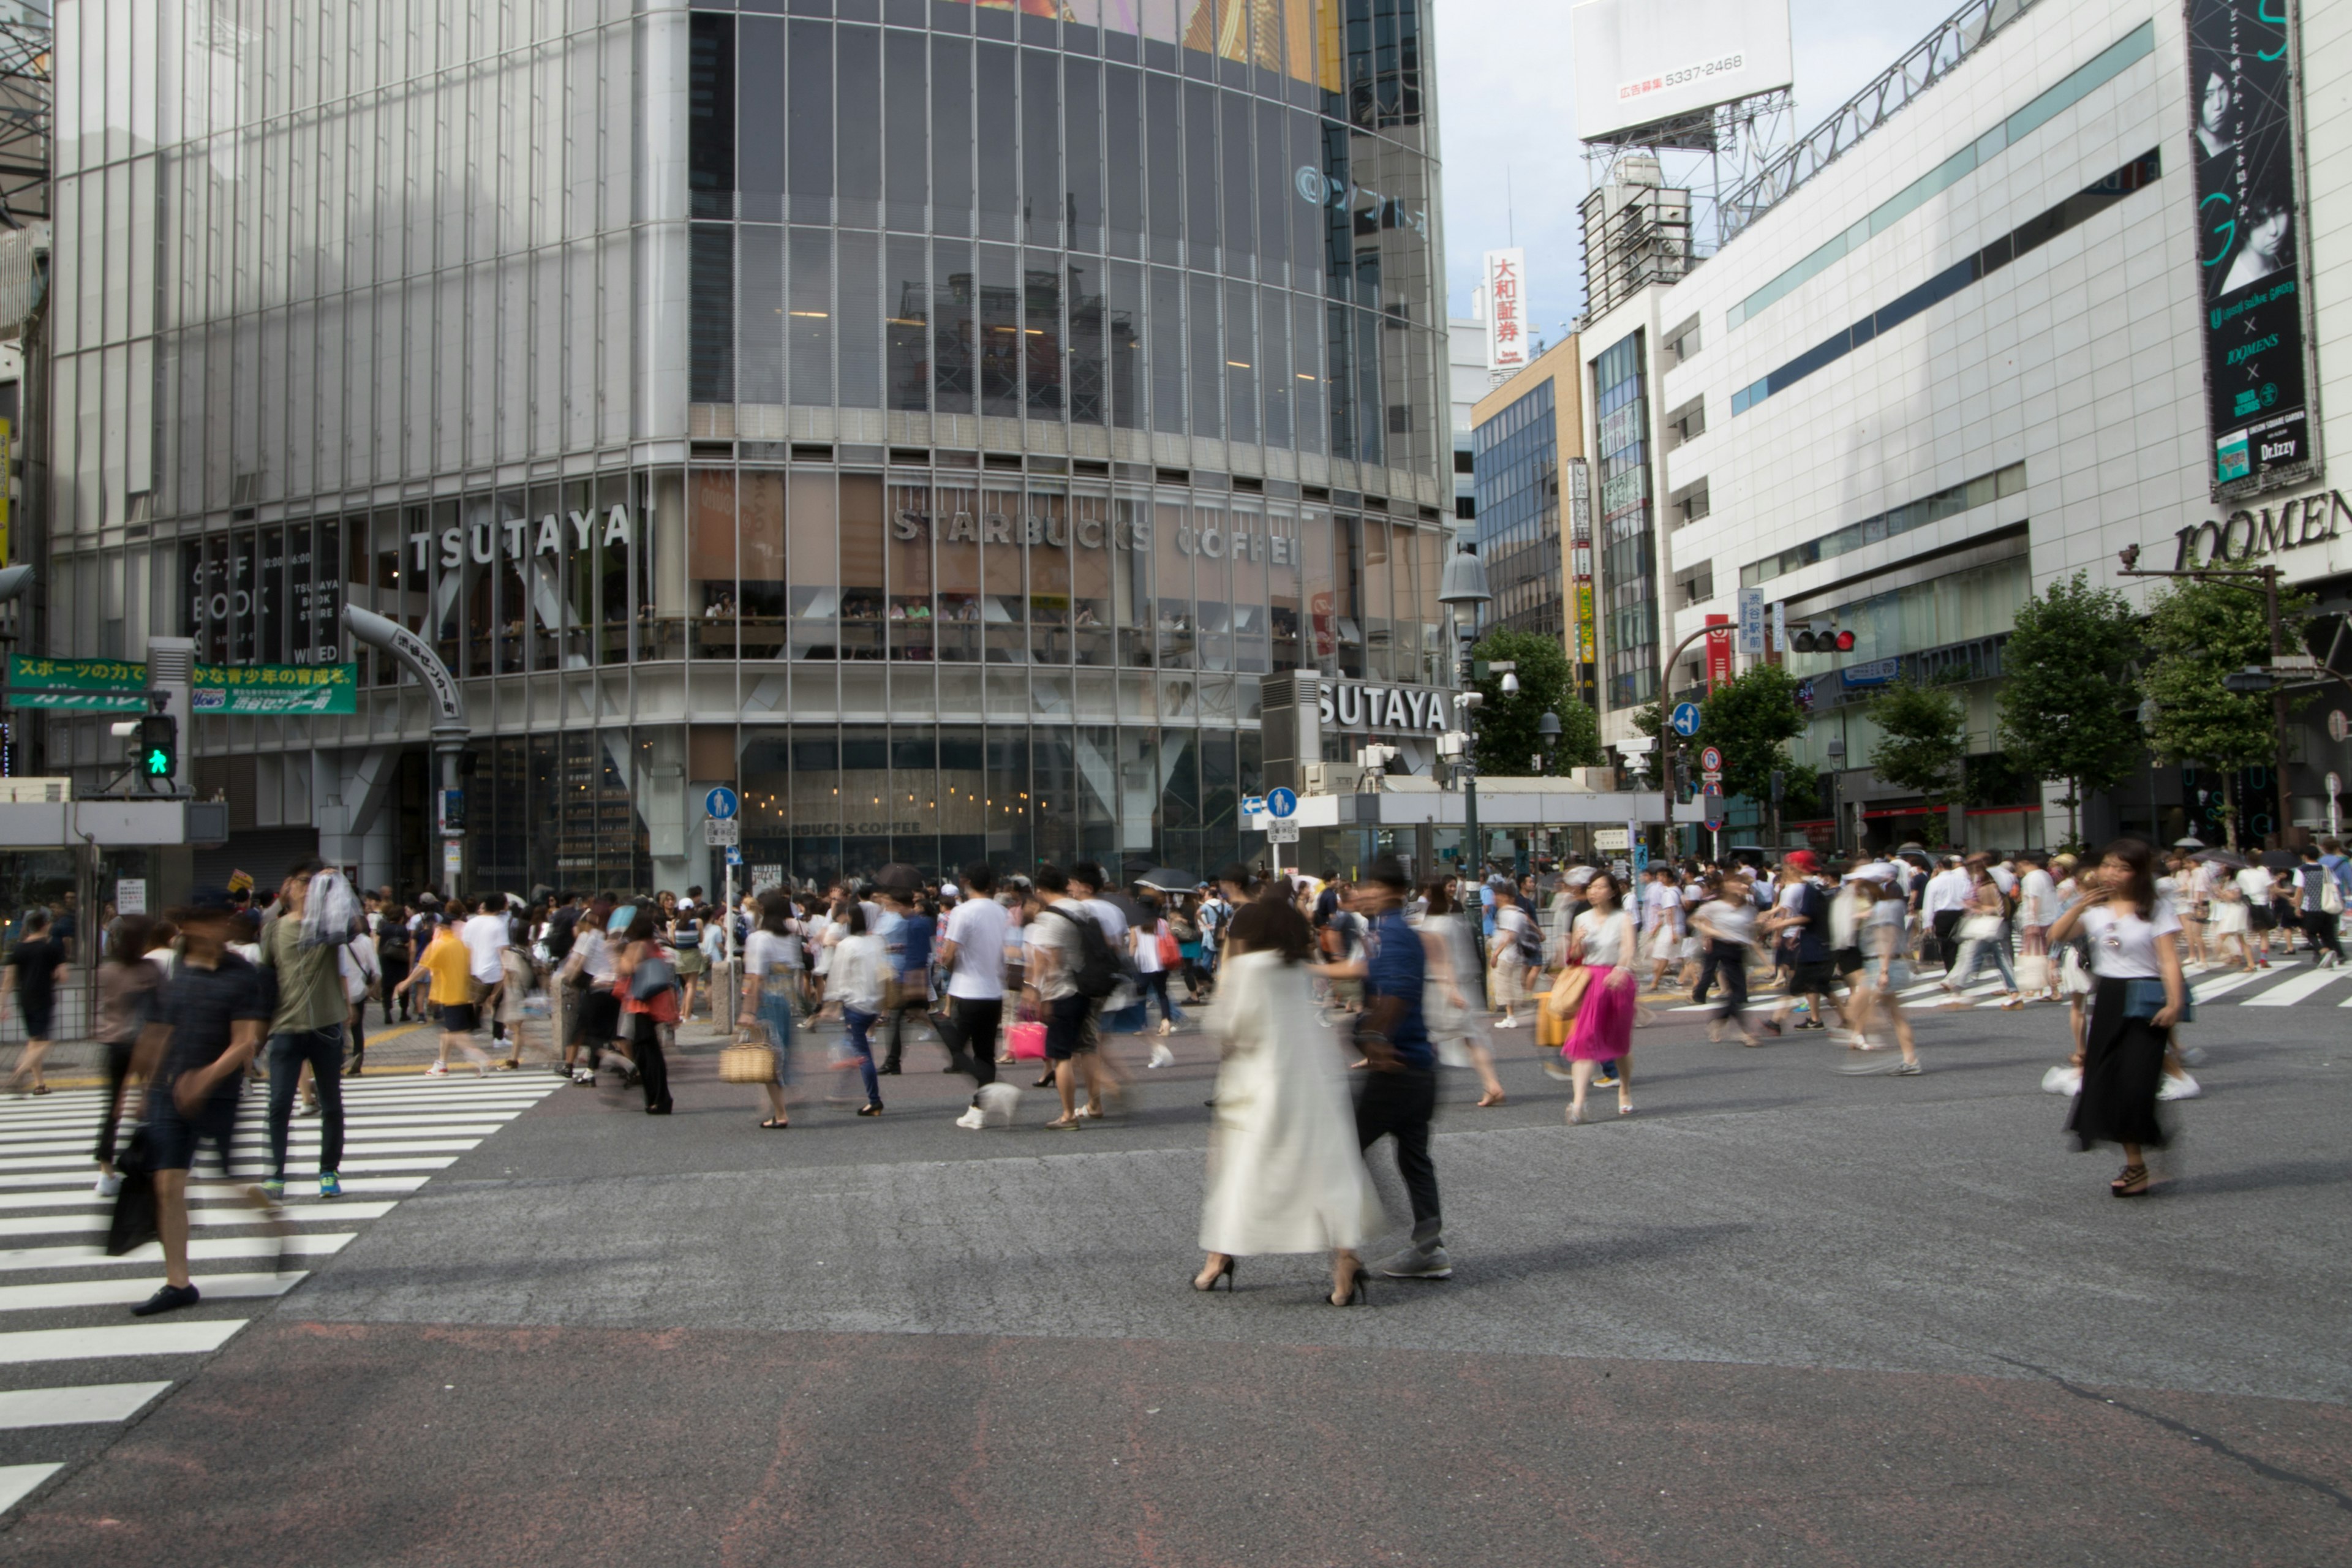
[
  {"x": 973, "y": 948},
  {"x": 2037, "y": 911},
  {"x": 1943, "y": 904},
  {"x": 1087, "y": 884},
  {"x": 586, "y": 977},
  {"x": 2254, "y": 885}
]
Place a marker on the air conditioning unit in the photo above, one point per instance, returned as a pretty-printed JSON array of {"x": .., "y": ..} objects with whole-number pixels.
[
  {"x": 1332, "y": 778},
  {"x": 1600, "y": 781}
]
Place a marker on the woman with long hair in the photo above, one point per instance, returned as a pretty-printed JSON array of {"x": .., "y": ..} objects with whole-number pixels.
[
  {"x": 770, "y": 966},
  {"x": 127, "y": 992},
  {"x": 1981, "y": 922},
  {"x": 2139, "y": 996},
  {"x": 1446, "y": 1008},
  {"x": 1605, "y": 943},
  {"x": 1285, "y": 1174},
  {"x": 855, "y": 981},
  {"x": 643, "y": 1016}
]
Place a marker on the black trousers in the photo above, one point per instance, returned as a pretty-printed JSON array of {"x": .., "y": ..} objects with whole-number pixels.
[
  {"x": 358, "y": 1032},
  {"x": 2320, "y": 927},
  {"x": 975, "y": 1020},
  {"x": 918, "y": 1008},
  {"x": 118, "y": 1071},
  {"x": 323, "y": 1050},
  {"x": 1399, "y": 1104},
  {"x": 1947, "y": 927},
  {"x": 653, "y": 1067},
  {"x": 1726, "y": 961}
]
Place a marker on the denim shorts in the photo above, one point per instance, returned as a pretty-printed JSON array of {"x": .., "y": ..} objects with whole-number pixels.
[{"x": 174, "y": 1136}]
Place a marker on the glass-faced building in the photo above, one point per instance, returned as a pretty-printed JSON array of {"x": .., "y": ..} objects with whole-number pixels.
[{"x": 930, "y": 419}]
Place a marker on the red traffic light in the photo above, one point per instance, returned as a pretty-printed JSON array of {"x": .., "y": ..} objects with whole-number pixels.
[{"x": 1846, "y": 642}]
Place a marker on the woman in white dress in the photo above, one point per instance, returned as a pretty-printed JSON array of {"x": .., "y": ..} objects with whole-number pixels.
[
  {"x": 1285, "y": 1174},
  {"x": 1446, "y": 1006}
]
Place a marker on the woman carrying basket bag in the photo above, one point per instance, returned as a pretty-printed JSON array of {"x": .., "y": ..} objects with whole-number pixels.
[{"x": 770, "y": 966}]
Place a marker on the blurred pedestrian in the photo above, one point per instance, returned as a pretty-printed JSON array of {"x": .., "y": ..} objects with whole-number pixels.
[
  {"x": 1448, "y": 1008},
  {"x": 972, "y": 948},
  {"x": 35, "y": 971},
  {"x": 770, "y": 959},
  {"x": 1285, "y": 1173},
  {"x": 647, "y": 983},
  {"x": 2139, "y": 996},
  {"x": 1604, "y": 939},
  {"x": 127, "y": 982},
  {"x": 855, "y": 982}
]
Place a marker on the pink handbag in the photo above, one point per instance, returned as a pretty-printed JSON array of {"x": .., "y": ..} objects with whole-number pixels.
[{"x": 1028, "y": 1042}]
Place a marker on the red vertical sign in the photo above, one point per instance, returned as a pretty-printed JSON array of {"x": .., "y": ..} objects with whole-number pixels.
[{"x": 1718, "y": 653}]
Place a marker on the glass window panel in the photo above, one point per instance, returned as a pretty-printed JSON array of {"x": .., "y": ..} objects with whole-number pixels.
[
  {"x": 865, "y": 784},
  {"x": 1433, "y": 631},
  {"x": 711, "y": 560},
  {"x": 1123, "y": 151},
  {"x": 1041, "y": 191},
  {"x": 1178, "y": 796},
  {"x": 1000, "y": 342},
  {"x": 859, "y": 323},
  {"x": 1213, "y": 585},
  {"x": 1277, "y": 195},
  {"x": 1133, "y": 830},
  {"x": 710, "y": 313},
  {"x": 1168, "y": 351},
  {"x": 953, "y": 352},
  {"x": 815, "y": 791},
  {"x": 909, "y": 564},
  {"x": 951, "y": 137},
  {"x": 963, "y": 784},
  {"x": 1088, "y": 375},
  {"x": 1124, "y": 322},
  {"x": 812, "y": 317},
  {"x": 1338, "y": 380},
  {"x": 1274, "y": 365},
  {"x": 710, "y": 116},
  {"x": 1164, "y": 164},
  {"x": 1092, "y": 617},
  {"x": 1200, "y": 174},
  {"x": 1377, "y": 601},
  {"x": 1172, "y": 609},
  {"x": 863, "y": 584},
  {"x": 1041, "y": 334},
  {"x": 908, "y": 299},
  {"x": 1241, "y": 363},
  {"x": 811, "y": 99},
  {"x": 760, "y": 119},
  {"x": 759, "y": 588},
  {"x": 812, "y": 593},
  {"x": 905, "y": 130},
  {"x": 1081, "y": 117},
  {"x": 1282, "y": 571},
  {"x": 1003, "y": 612},
  {"x": 1305, "y": 373},
  {"x": 1000, "y": 185},
  {"x": 859, "y": 141},
  {"x": 955, "y": 532},
  {"x": 1018, "y": 827},
  {"x": 1045, "y": 530},
  {"x": 1246, "y": 559},
  {"x": 759, "y": 347},
  {"x": 1371, "y": 418},
  {"x": 1130, "y": 580},
  {"x": 1208, "y": 418},
  {"x": 1240, "y": 247},
  {"x": 1321, "y": 592},
  {"x": 914, "y": 797}
]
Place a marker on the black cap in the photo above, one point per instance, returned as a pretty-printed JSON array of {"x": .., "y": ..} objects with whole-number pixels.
[
  {"x": 1388, "y": 871},
  {"x": 211, "y": 901}
]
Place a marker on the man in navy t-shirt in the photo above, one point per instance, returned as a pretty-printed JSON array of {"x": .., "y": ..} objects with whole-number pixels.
[{"x": 1398, "y": 1095}]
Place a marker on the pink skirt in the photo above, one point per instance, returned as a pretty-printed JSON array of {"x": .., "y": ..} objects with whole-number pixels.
[{"x": 1603, "y": 1029}]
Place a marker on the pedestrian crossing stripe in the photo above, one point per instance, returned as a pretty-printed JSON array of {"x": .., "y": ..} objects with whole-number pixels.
[
  {"x": 2273, "y": 987},
  {"x": 396, "y": 1134}
]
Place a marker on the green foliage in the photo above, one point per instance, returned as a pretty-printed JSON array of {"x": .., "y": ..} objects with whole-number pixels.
[
  {"x": 2197, "y": 632},
  {"x": 1507, "y": 743},
  {"x": 1750, "y": 719},
  {"x": 2068, "y": 702},
  {"x": 1925, "y": 739},
  {"x": 1800, "y": 793}
]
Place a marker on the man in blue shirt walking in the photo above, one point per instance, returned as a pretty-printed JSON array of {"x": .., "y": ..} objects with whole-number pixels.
[{"x": 1399, "y": 1093}]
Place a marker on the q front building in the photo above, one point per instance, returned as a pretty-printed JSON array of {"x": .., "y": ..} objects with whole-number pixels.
[{"x": 932, "y": 420}]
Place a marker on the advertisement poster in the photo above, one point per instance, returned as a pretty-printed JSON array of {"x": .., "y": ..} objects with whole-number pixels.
[{"x": 2242, "y": 111}]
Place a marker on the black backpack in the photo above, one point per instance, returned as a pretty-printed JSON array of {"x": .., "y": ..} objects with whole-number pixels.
[
  {"x": 1097, "y": 971},
  {"x": 563, "y": 927}
]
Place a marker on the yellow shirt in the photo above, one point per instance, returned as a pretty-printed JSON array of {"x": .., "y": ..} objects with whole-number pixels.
[{"x": 452, "y": 970}]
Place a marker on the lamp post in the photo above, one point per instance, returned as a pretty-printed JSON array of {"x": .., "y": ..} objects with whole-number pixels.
[
  {"x": 1463, "y": 590},
  {"x": 1548, "y": 739}
]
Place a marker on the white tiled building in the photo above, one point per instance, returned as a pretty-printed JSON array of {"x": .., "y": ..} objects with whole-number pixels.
[{"x": 1960, "y": 360}]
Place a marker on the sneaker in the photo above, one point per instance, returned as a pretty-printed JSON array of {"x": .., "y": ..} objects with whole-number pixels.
[
  {"x": 1507, "y": 1022},
  {"x": 1554, "y": 1068},
  {"x": 273, "y": 1188},
  {"x": 330, "y": 1186},
  {"x": 2193, "y": 1055},
  {"x": 170, "y": 1299},
  {"x": 1605, "y": 1080},
  {"x": 309, "y": 1108},
  {"x": 438, "y": 1070},
  {"x": 1906, "y": 1069},
  {"x": 2182, "y": 1087},
  {"x": 871, "y": 1108},
  {"x": 971, "y": 1120},
  {"x": 1418, "y": 1263},
  {"x": 1161, "y": 1057},
  {"x": 108, "y": 1186}
]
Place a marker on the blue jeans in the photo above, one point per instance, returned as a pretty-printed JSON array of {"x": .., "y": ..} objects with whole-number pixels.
[
  {"x": 858, "y": 1024},
  {"x": 776, "y": 1017},
  {"x": 1973, "y": 954},
  {"x": 323, "y": 1049}
]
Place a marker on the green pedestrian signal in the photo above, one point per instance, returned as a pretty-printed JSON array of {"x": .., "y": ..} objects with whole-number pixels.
[{"x": 159, "y": 746}]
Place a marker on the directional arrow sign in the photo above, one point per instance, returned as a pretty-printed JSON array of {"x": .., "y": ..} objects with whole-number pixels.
[{"x": 1685, "y": 719}]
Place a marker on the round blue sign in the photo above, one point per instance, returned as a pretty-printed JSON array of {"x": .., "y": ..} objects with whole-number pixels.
[
  {"x": 1281, "y": 801},
  {"x": 1685, "y": 719},
  {"x": 719, "y": 803}
]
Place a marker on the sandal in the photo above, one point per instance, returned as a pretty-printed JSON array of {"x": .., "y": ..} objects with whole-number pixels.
[
  {"x": 772, "y": 1125},
  {"x": 1064, "y": 1124},
  {"x": 2132, "y": 1183},
  {"x": 1493, "y": 1099}
]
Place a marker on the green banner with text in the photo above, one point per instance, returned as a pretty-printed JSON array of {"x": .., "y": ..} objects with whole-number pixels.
[{"x": 120, "y": 686}]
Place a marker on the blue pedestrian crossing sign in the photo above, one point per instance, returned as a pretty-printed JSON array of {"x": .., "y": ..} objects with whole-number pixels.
[
  {"x": 734, "y": 853},
  {"x": 720, "y": 803},
  {"x": 1281, "y": 803},
  {"x": 1685, "y": 719}
]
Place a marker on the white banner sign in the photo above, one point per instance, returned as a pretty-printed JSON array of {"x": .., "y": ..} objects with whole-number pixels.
[
  {"x": 722, "y": 830},
  {"x": 1507, "y": 310}
]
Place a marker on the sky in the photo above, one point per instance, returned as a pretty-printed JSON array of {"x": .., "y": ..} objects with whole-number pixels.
[{"x": 1507, "y": 103}]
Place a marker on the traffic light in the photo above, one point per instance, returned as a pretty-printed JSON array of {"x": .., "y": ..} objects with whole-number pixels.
[
  {"x": 158, "y": 748},
  {"x": 1821, "y": 635}
]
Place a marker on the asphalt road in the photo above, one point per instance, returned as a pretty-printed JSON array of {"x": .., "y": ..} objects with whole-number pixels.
[{"x": 1779, "y": 1315}]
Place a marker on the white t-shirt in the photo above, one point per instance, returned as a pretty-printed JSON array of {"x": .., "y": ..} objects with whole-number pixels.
[
  {"x": 2122, "y": 946},
  {"x": 484, "y": 937},
  {"x": 2255, "y": 883},
  {"x": 1147, "y": 949},
  {"x": 768, "y": 954},
  {"x": 1732, "y": 918},
  {"x": 1663, "y": 905},
  {"x": 1107, "y": 916},
  {"x": 2037, "y": 899},
  {"x": 1606, "y": 939},
  {"x": 977, "y": 928},
  {"x": 1946, "y": 890},
  {"x": 2002, "y": 878}
]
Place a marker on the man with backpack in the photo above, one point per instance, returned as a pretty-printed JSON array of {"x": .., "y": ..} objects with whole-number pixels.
[
  {"x": 1518, "y": 953},
  {"x": 1804, "y": 915},
  {"x": 1074, "y": 969}
]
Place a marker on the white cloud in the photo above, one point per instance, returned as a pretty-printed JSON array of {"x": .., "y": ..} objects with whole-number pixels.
[{"x": 1514, "y": 169}]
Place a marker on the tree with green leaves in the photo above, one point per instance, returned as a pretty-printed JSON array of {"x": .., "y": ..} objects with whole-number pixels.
[
  {"x": 2197, "y": 632},
  {"x": 1750, "y": 719},
  {"x": 1923, "y": 744},
  {"x": 1507, "y": 741},
  {"x": 2068, "y": 699}
]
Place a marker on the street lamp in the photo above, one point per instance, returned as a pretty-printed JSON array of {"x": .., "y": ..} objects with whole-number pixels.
[
  {"x": 1463, "y": 590},
  {"x": 1548, "y": 739}
]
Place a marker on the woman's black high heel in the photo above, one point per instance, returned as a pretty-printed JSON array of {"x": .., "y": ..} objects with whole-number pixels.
[{"x": 1225, "y": 1273}]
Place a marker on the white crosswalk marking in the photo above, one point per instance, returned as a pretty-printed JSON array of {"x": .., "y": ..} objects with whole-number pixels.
[
  {"x": 89, "y": 1405},
  {"x": 2290, "y": 991},
  {"x": 396, "y": 1134},
  {"x": 2227, "y": 984}
]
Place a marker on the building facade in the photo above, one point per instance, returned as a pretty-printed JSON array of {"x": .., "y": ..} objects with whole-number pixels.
[
  {"x": 1966, "y": 357},
  {"x": 1527, "y": 441},
  {"x": 929, "y": 420}
]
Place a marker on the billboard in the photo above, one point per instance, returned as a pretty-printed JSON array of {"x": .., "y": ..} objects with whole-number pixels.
[
  {"x": 1641, "y": 61},
  {"x": 2251, "y": 307},
  {"x": 1507, "y": 310}
]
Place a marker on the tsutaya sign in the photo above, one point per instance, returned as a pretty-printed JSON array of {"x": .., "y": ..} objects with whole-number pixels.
[
  {"x": 550, "y": 536},
  {"x": 1350, "y": 705},
  {"x": 2295, "y": 522}
]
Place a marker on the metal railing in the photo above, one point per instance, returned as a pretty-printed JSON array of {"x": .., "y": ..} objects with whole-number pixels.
[{"x": 1927, "y": 62}]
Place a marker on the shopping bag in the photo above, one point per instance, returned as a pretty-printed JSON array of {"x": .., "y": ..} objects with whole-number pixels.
[
  {"x": 1028, "y": 1042},
  {"x": 133, "y": 1224},
  {"x": 2033, "y": 972},
  {"x": 747, "y": 1061}
]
